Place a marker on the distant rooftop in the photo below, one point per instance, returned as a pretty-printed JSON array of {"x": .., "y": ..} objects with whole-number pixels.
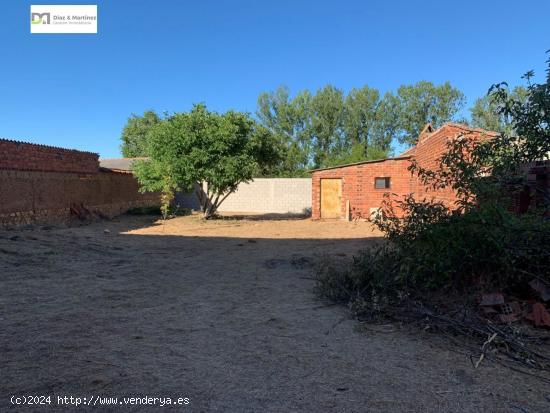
[{"x": 119, "y": 164}]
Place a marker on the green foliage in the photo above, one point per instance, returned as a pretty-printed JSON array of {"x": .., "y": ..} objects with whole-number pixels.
[
  {"x": 479, "y": 244},
  {"x": 489, "y": 246},
  {"x": 423, "y": 103},
  {"x": 135, "y": 132},
  {"x": 329, "y": 127},
  {"x": 288, "y": 121},
  {"x": 369, "y": 277},
  {"x": 486, "y": 113},
  {"x": 207, "y": 152},
  {"x": 357, "y": 153}
]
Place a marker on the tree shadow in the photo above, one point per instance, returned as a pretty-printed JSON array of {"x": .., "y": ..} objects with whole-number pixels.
[{"x": 239, "y": 216}]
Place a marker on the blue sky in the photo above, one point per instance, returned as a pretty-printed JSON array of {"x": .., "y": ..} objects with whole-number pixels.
[{"x": 77, "y": 90}]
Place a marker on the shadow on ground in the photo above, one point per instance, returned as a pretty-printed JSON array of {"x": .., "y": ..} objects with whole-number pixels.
[{"x": 220, "y": 312}]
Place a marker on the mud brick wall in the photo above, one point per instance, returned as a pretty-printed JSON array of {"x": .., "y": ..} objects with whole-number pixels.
[
  {"x": 32, "y": 197},
  {"x": 40, "y": 184},
  {"x": 22, "y": 156}
]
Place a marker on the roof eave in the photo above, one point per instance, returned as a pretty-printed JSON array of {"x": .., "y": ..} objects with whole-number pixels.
[{"x": 397, "y": 158}]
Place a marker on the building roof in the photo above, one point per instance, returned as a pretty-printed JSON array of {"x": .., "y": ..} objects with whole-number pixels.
[
  {"x": 48, "y": 147},
  {"x": 427, "y": 131},
  {"x": 119, "y": 164},
  {"x": 471, "y": 129},
  {"x": 409, "y": 152},
  {"x": 397, "y": 158}
]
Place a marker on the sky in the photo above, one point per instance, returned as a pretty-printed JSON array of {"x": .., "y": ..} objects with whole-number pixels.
[{"x": 77, "y": 90}]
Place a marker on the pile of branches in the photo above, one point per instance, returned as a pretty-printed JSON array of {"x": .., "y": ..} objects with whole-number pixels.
[
  {"x": 373, "y": 293},
  {"x": 515, "y": 345}
]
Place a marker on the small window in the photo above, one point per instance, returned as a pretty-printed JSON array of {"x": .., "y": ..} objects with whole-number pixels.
[{"x": 381, "y": 183}]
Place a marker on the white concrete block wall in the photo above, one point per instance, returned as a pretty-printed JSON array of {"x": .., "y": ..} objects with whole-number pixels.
[{"x": 271, "y": 195}]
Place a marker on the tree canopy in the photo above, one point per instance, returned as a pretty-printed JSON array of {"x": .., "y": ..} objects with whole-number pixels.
[
  {"x": 329, "y": 127},
  {"x": 486, "y": 112},
  {"x": 423, "y": 103},
  {"x": 134, "y": 134},
  {"x": 205, "y": 152}
]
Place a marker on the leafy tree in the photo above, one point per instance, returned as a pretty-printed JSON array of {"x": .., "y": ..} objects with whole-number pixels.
[
  {"x": 326, "y": 133},
  {"x": 207, "y": 152},
  {"x": 486, "y": 112},
  {"x": 387, "y": 125},
  {"x": 423, "y": 103},
  {"x": 328, "y": 127},
  {"x": 357, "y": 153},
  {"x": 360, "y": 115},
  {"x": 287, "y": 120},
  {"x": 134, "y": 134}
]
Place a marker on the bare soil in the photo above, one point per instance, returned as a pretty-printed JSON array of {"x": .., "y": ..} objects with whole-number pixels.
[{"x": 222, "y": 312}]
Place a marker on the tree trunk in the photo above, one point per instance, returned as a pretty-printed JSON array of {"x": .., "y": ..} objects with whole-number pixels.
[
  {"x": 205, "y": 203},
  {"x": 209, "y": 207}
]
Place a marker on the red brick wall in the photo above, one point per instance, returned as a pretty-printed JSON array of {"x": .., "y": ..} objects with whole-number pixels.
[
  {"x": 358, "y": 180},
  {"x": 428, "y": 151},
  {"x": 23, "y": 156},
  {"x": 358, "y": 185}
]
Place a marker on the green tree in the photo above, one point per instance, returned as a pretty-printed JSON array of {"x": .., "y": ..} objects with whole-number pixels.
[
  {"x": 423, "y": 103},
  {"x": 329, "y": 127},
  {"x": 486, "y": 112},
  {"x": 360, "y": 115},
  {"x": 387, "y": 124},
  {"x": 134, "y": 134},
  {"x": 288, "y": 120},
  {"x": 206, "y": 152},
  {"x": 326, "y": 130}
]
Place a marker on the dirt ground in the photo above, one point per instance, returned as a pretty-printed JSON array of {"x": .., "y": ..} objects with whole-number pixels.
[{"x": 222, "y": 312}]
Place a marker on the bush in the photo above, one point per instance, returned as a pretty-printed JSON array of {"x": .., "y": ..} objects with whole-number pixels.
[
  {"x": 478, "y": 241},
  {"x": 438, "y": 255}
]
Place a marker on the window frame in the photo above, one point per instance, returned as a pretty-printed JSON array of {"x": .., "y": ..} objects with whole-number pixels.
[{"x": 387, "y": 182}]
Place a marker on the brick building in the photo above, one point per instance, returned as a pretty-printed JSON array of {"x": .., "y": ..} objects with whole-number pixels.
[{"x": 357, "y": 190}]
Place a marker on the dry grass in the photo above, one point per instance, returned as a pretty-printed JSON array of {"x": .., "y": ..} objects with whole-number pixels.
[{"x": 222, "y": 312}]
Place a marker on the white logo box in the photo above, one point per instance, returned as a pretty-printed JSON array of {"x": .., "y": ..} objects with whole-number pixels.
[{"x": 63, "y": 18}]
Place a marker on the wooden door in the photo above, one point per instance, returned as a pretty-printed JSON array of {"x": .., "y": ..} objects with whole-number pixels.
[{"x": 331, "y": 198}]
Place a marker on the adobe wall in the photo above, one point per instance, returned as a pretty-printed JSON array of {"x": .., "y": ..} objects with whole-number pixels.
[
  {"x": 22, "y": 156},
  {"x": 47, "y": 185},
  {"x": 33, "y": 197}
]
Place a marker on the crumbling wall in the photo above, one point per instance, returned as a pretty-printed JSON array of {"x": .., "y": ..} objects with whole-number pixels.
[
  {"x": 29, "y": 197},
  {"x": 46, "y": 185}
]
